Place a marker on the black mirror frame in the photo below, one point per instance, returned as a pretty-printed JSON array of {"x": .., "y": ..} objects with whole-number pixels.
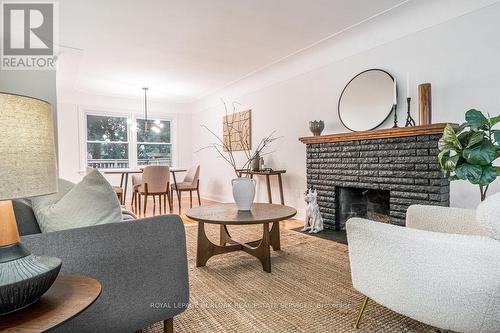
[{"x": 347, "y": 85}]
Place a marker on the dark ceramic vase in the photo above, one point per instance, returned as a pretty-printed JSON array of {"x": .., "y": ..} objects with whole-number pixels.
[
  {"x": 256, "y": 162},
  {"x": 24, "y": 280},
  {"x": 316, "y": 127}
]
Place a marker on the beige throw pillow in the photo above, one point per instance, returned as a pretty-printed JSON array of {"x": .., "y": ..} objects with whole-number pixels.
[{"x": 90, "y": 202}]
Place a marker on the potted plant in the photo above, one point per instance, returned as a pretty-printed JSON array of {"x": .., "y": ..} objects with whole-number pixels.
[
  {"x": 469, "y": 151},
  {"x": 243, "y": 185}
]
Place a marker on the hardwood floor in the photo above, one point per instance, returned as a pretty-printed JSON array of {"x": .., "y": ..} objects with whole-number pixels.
[{"x": 288, "y": 224}]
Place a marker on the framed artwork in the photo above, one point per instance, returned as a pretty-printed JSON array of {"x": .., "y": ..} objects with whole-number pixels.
[{"x": 237, "y": 130}]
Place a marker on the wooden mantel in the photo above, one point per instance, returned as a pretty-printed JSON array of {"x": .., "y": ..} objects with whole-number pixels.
[{"x": 377, "y": 134}]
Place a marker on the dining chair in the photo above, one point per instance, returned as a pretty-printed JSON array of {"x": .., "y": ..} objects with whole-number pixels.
[
  {"x": 190, "y": 183},
  {"x": 155, "y": 182},
  {"x": 118, "y": 189}
]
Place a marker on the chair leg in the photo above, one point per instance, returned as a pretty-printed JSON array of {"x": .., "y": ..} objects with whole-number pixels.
[
  {"x": 164, "y": 203},
  {"x": 360, "y": 314},
  {"x": 190, "y": 199},
  {"x": 199, "y": 199},
  {"x": 172, "y": 197},
  {"x": 135, "y": 203},
  {"x": 159, "y": 201},
  {"x": 169, "y": 201},
  {"x": 132, "y": 202},
  {"x": 145, "y": 204},
  {"x": 139, "y": 199},
  {"x": 168, "y": 325},
  {"x": 180, "y": 201},
  {"x": 154, "y": 205}
]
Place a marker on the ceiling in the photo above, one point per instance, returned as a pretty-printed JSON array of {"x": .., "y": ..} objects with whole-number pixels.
[{"x": 186, "y": 49}]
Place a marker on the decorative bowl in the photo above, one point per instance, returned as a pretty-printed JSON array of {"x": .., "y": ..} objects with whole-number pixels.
[{"x": 23, "y": 281}]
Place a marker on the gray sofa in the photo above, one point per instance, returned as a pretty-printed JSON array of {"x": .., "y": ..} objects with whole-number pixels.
[{"x": 141, "y": 265}]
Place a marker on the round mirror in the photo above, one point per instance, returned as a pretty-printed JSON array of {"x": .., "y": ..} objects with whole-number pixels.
[{"x": 367, "y": 100}]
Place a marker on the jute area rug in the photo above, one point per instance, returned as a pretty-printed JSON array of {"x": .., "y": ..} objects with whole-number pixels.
[{"x": 309, "y": 290}]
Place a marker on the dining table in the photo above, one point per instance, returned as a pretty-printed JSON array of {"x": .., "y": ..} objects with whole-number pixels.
[{"x": 125, "y": 175}]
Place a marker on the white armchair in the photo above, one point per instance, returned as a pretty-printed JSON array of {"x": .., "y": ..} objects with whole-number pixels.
[{"x": 442, "y": 269}]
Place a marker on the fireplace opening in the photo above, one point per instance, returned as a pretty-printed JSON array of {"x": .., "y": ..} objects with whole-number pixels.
[{"x": 364, "y": 203}]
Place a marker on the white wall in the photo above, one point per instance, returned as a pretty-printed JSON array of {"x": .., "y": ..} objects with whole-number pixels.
[
  {"x": 452, "y": 44},
  {"x": 69, "y": 105}
]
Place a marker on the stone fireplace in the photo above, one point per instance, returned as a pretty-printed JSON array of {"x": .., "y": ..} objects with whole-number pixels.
[{"x": 376, "y": 174}]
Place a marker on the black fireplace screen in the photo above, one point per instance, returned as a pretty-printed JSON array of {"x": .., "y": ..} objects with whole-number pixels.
[{"x": 365, "y": 203}]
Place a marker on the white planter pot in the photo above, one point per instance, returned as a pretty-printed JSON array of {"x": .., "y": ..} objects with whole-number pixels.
[{"x": 243, "y": 192}]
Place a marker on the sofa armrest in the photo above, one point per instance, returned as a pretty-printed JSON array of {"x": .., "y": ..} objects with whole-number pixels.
[
  {"x": 140, "y": 264},
  {"x": 443, "y": 219},
  {"x": 445, "y": 280}
]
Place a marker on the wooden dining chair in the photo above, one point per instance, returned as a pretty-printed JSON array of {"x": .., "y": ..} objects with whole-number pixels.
[
  {"x": 190, "y": 183},
  {"x": 118, "y": 189},
  {"x": 155, "y": 182}
]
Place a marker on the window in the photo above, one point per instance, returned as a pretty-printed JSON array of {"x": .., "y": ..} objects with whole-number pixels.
[
  {"x": 107, "y": 142},
  {"x": 154, "y": 146},
  {"x": 119, "y": 141}
]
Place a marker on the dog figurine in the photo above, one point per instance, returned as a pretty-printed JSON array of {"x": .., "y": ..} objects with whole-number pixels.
[{"x": 314, "y": 221}]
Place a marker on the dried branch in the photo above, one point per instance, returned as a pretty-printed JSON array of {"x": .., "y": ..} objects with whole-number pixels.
[{"x": 224, "y": 149}]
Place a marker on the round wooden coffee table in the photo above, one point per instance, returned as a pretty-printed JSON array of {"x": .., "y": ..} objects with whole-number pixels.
[
  {"x": 228, "y": 214},
  {"x": 68, "y": 297}
]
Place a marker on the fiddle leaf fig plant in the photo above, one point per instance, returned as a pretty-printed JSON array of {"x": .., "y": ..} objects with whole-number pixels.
[{"x": 469, "y": 151}]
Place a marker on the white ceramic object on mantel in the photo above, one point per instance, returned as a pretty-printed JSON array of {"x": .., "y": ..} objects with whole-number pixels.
[{"x": 243, "y": 192}]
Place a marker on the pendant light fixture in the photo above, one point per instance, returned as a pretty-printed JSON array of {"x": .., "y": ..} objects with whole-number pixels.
[
  {"x": 146, "y": 126},
  {"x": 157, "y": 125}
]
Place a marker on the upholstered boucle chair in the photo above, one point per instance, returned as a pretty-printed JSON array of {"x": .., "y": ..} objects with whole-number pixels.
[{"x": 442, "y": 269}]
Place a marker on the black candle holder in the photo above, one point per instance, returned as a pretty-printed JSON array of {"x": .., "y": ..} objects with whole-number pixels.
[
  {"x": 395, "y": 110},
  {"x": 409, "y": 120}
]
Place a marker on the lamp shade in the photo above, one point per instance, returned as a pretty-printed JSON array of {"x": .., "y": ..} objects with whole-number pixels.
[{"x": 27, "y": 149}]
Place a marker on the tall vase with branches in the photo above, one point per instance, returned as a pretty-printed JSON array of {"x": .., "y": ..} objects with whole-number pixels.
[
  {"x": 469, "y": 151},
  {"x": 243, "y": 185}
]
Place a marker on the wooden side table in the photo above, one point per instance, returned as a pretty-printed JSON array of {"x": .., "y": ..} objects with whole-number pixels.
[
  {"x": 268, "y": 175},
  {"x": 69, "y": 296}
]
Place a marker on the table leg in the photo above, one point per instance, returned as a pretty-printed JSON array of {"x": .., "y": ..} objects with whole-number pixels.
[
  {"x": 275, "y": 236},
  {"x": 259, "y": 249},
  {"x": 269, "y": 195},
  {"x": 280, "y": 182},
  {"x": 263, "y": 252},
  {"x": 176, "y": 191},
  {"x": 202, "y": 246},
  {"x": 125, "y": 189},
  {"x": 205, "y": 249},
  {"x": 225, "y": 237}
]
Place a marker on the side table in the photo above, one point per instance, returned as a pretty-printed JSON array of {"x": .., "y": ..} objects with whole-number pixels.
[
  {"x": 69, "y": 296},
  {"x": 268, "y": 174}
]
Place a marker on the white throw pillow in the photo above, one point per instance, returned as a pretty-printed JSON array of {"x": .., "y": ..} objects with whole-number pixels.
[
  {"x": 488, "y": 215},
  {"x": 90, "y": 202},
  {"x": 63, "y": 187}
]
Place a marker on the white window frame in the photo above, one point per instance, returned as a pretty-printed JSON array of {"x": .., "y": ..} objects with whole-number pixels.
[
  {"x": 137, "y": 143},
  {"x": 132, "y": 136},
  {"x": 93, "y": 141}
]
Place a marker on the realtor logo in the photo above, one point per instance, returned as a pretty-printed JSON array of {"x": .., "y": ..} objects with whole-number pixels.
[{"x": 28, "y": 35}]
